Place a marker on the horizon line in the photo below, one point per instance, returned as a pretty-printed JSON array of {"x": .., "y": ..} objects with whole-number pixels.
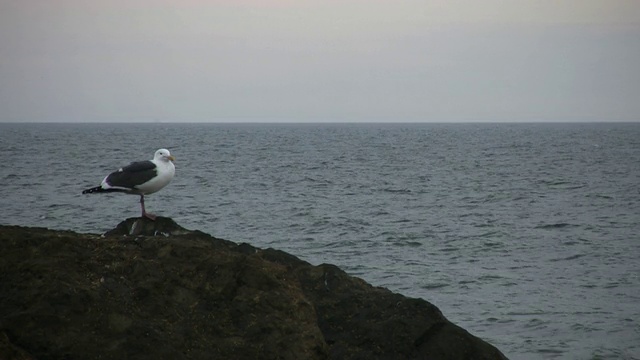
[{"x": 298, "y": 122}]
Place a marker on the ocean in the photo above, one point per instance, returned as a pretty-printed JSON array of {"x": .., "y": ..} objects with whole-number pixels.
[{"x": 526, "y": 235}]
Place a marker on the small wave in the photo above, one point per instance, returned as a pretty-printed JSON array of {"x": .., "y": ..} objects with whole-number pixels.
[
  {"x": 463, "y": 282},
  {"x": 595, "y": 311},
  {"x": 536, "y": 323},
  {"x": 411, "y": 243},
  {"x": 563, "y": 185},
  {"x": 555, "y": 226},
  {"x": 402, "y": 242},
  {"x": 588, "y": 286},
  {"x": 500, "y": 321},
  {"x": 569, "y": 243},
  {"x": 400, "y": 191},
  {"x": 583, "y": 328},
  {"x": 490, "y": 277},
  {"x": 450, "y": 249},
  {"x": 488, "y": 234},
  {"x": 401, "y": 221},
  {"x": 550, "y": 351},
  {"x": 555, "y": 183},
  {"x": 318, "y": 181},
  {"x": 599, "y": 196},
  {"x": 611, "y": 285},
  {"x": 520, "y": 267},
  {"x": 568, "y": 258},
  {"x": 527, "y": 313},
  {"x": 490, "y": 244},
  {"x": 434, "y": 286}
]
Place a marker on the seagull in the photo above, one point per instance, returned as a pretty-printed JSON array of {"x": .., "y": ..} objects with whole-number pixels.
[{"x": 140, "y": 178}]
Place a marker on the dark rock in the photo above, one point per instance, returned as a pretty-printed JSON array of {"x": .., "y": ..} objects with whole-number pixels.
[
  {"x": 183, "y": 294},
  {"x": 161, "y": 226},
  {"x": 10, "y": 351}
]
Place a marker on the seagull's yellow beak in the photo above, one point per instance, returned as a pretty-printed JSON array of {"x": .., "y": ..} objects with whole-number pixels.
[{"x": 172, "y": 158}]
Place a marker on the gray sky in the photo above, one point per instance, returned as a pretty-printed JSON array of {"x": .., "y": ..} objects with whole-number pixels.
[{"x": 319, "y": 60}]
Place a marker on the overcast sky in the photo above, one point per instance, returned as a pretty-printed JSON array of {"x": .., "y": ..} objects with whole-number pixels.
[{"x": 319, "y": 60}]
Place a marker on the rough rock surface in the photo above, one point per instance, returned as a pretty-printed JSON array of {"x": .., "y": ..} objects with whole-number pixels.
[{"x": 154, "y": 290}]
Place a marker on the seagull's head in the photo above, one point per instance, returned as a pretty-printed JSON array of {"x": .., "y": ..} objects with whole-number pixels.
[{"x": 164, "y": 155}]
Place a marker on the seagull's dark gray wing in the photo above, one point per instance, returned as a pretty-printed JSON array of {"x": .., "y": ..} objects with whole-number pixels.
[{"x": 134, "y": 174}]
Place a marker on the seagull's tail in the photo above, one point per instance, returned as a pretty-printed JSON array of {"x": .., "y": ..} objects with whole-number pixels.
[
  {"x": 99, "y": 189},
  {"x": 93, "y": 189}
]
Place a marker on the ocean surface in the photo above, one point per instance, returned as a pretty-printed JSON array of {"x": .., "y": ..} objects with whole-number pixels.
[{"x": 527, "y": 235}]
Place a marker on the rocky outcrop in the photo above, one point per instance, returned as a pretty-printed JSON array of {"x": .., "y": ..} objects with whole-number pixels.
[{"x": 154, "y": 290}]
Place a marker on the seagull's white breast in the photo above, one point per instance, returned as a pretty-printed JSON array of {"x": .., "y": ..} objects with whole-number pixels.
[{"x": 166, "y": 170}]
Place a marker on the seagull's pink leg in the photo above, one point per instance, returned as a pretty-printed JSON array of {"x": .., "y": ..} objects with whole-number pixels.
[{"x": 144, "y": 212}]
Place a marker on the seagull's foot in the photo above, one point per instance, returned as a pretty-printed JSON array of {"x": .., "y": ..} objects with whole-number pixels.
[{"x": 149, "y": 216}]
